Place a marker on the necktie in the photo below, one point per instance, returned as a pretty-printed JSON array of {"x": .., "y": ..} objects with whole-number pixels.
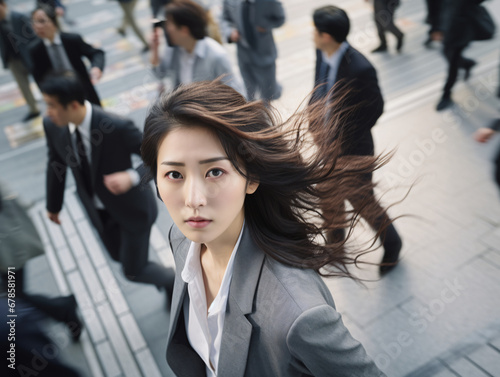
[
  {"x": 58, "y": 62},
  {"x": 84, "y": 162},
  {"x": 248, "y": 28}
]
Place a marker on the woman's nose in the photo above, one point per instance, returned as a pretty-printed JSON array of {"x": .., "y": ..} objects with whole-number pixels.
[{"x": 195, "y": 194}]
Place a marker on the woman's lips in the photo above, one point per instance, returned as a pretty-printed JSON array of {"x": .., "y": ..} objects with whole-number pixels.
[{"x": 198, "y": 222}]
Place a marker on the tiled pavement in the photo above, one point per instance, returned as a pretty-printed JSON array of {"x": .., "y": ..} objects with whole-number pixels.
[{"x": 437, "y": 314}]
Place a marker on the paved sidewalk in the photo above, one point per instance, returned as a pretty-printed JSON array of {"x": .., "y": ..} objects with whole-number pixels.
[{"x": 437, "y": 314}]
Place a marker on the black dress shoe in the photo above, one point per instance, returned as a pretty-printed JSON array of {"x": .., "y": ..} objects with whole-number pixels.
[
  {"x": 468, "y": 68},
  {"x": 381, "y": 48},
  {"x": 72, "y": 320},
  {"x": 392, "y": 247},
  {"x": 444, "y": 103},
  {"x": 399, "y": 45},
  {"x": 30, "y": 116}
]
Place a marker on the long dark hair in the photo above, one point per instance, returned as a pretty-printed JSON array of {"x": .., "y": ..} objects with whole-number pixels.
[{"x": 299, "y": 181}]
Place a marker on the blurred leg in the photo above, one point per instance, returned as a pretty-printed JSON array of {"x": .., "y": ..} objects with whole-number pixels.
[
  {"x": 21, "y": 75},
  {"x": 129, "y": 19}
]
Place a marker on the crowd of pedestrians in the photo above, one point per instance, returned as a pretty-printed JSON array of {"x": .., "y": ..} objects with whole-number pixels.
[{"x": 192, "y": 146}]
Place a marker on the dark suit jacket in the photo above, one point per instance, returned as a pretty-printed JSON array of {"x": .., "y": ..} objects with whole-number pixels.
[
  {"x": 76, "y": 48},
  {"x": 114, "y": 140},
  {"x": 357, "y": 78},
  {"x": 23, "y": 35},
  {"x": 280, "y": 322}
]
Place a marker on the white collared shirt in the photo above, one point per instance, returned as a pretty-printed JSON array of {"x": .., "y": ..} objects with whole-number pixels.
[
  {"x": 334, "y": 62},
  {"x": 204, "y": 331},
  {"x": 187, "y": 61},
  {"x": 85, "y": 131}
]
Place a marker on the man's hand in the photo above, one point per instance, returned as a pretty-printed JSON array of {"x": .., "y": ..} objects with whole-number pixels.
[
  {"x": 118, "y": 183},
  {"x": 154, "y": 45},
  {"x": 60, "y": 11},
  {"x": 95, "y": 75},
  {"x": 483, "y": 134},
  {"x": 54, "y": 217},
  {"x": 235, "y": 36}
]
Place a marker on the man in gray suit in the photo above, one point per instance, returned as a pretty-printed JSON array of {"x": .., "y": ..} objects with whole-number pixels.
[
  {"x": 192, "y": 55},
  {"x": 15, "y": 35},
  {"x": 249, "y": 23}
]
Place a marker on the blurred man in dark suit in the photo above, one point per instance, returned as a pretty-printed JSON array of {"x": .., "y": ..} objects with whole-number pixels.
[
  {"x": 341, "y": 69},
  {"x": 97, "y": 146},
  {"x": 15, "y": 36}
]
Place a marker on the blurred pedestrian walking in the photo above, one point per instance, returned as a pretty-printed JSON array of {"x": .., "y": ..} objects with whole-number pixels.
[
  {"x": 435, "y": 19},
  {"x": 57, "y": 51},
  {"x": 192, "y": 55},
  {"x": 484, "y": 134},
  {"x": 250, "y": 25},
  {"x": 342, "y": 69},
  {"x": 97, "y": 146},
  {"x": 15, "y": 35},
  {"x": 20, "y": 242},
  {"x": 383, "y": 12},
  {"x": 128, "y": 19},
  {"x": 468, "y": 21}
]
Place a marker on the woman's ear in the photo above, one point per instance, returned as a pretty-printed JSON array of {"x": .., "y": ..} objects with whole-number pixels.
[{"x": 252, "y": 187}]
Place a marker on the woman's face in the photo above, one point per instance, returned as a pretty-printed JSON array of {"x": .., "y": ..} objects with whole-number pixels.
[
  {"x": 43, "y": 25},
  {"x": 201, "y": 189}
]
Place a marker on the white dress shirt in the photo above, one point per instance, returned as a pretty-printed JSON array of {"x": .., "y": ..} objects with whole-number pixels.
[
  {"x": 204, "y": 331},
  {"x": 334, "y": 62},
  {"x": 187, "y": 64},
  {"x": 85, "y": 132}
]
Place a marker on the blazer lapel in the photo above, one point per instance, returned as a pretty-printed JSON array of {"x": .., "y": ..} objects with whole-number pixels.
[
  {"x": 343, "y": 70},
  {"x": 181, "y": 357},
  {"x": 237, "y": 329}
]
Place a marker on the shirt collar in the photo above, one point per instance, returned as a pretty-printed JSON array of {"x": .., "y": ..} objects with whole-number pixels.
[
  {"x": 336, "y": 56},
  {"x": 85, "y": 125},
  {"x": 200, "y": 49},
  {"x": 57, "y": 40}
]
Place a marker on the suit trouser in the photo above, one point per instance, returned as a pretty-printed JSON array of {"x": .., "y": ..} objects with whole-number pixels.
[
  {"x": 365, "y": 205},
  {"x": 131, "y": 250},
  {"x": 455, "y": 62},
  {"x": 384, "y": 19},
  {"x": 21, "y": 75},
  {"x": 129, "y": 19},
  {"x": 260, "y": 79}
]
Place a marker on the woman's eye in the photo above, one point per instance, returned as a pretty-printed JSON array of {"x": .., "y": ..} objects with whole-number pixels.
[
  {"x": 214, "y": 173},
  {"x": 173, "y": 175}
]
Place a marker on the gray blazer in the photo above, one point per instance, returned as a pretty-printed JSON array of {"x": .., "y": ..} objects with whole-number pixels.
[
  {"x": 212, "y": 63},
  {"x": 280, "y": 322},
  {"x": 268, "y": 14}
]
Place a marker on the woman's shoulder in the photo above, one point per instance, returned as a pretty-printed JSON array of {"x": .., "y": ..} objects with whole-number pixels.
[{"x": 303, "y": 288}]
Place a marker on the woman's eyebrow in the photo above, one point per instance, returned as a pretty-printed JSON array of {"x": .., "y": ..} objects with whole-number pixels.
[
  {"x": 213, "y": 160},
  {"x": 207, "y": 161}
]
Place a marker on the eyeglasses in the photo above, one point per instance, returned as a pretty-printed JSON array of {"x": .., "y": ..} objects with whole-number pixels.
[{"x": 40, "y": 22}]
